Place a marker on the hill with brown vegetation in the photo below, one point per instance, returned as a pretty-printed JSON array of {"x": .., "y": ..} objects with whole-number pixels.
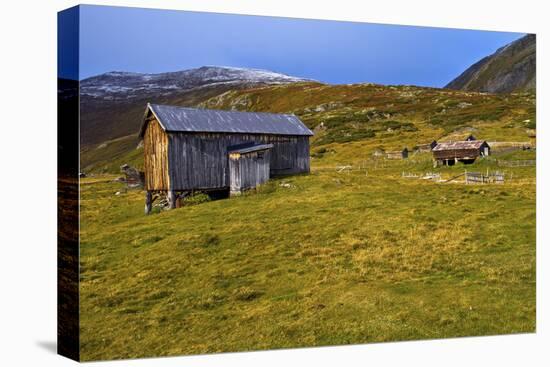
[
  {"x": 346, "y": 119},
  {"x": 112, "y": 104}
]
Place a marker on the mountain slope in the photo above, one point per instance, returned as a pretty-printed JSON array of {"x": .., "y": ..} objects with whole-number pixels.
[
  {"x": 511, "y": 68},
  {"x": 355, "y": 120},
  {"x": 112, "y": 103},
  {"x": 125, "y": 85}
]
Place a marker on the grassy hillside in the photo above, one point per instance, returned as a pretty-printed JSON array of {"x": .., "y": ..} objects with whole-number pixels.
[
  {"x": 110, "y": 155},
  {"x": 351, "y": 120},
  {"x": 321, "y": 259},
  {"x": 105, "y": 120},
  {"x": 336, "y": 258}
]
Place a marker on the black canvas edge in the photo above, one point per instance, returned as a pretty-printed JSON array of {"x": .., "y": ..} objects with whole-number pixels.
[{"x": 68, "y": 315}]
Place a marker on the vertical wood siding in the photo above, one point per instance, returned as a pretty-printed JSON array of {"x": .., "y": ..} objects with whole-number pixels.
[
  {"x": 155, "y": 147},
  {"x": 458, "y": 153},
  {"x": 200, "y": 160},
  {"x": 249, "y": 170}
]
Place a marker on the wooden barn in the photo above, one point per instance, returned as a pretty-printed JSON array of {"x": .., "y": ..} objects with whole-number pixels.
[
  {"x": 448, "y": 153},
  {"x": 191, "y": 149},
  {"x": 398, "y": 154}
]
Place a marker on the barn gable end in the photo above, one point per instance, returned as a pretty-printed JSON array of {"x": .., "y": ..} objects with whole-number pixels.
[
  {"x": 155, "y": 147},
  {"x": 466, "y": 151}
]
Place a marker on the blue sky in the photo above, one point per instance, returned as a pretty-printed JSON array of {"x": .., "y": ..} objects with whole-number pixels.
[{"x": 145, "y": 40}]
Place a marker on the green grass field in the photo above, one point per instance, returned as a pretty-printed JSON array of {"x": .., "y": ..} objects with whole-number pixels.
[{"x": 336, "y": 258}]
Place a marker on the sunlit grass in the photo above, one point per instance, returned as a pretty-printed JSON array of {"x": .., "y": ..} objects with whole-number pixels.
[{"x": 335, "y": 258}]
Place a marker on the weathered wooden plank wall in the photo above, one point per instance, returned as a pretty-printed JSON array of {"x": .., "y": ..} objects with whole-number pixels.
[
  {"x": 457, "y": 153},
  {"x": 155, "y": 147},
  {"x": 248, "y": 170},
  {"x": 200, "y": 161}
]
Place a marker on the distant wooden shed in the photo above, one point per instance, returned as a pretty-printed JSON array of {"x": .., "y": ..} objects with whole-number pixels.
[
  {"x": 448, "y": 153},
  {"x": 188, "y": 149},
  {"x": 398, "y": 154},
  {"x": 378, "y": 152}
]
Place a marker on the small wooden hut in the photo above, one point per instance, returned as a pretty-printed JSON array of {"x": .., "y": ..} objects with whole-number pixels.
[
  {"x": 188, "y": 149},
  {"x": 448, "y": 153},
  {"x": 248, "y": 166},
  {"x": 398, "y": 154},
  {"x": 378, "y": 153}
]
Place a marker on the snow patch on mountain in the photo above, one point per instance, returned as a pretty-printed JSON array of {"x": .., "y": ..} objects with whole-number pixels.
[{"x": 129, "y": 85}]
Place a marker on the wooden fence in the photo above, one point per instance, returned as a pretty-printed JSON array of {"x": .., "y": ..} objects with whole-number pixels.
[
  {"x": 424, "y": 176},
  {"x": 480, "y": 178},
  {"x": 520, "y": 163}
]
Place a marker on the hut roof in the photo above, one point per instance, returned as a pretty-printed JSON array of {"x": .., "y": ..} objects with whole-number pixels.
[
  {"x": 248, "y": 148},
  {"x": 398, "y": 150},
  {"x": 458, "y": 145},
  {"x": 185, "y": 119}
]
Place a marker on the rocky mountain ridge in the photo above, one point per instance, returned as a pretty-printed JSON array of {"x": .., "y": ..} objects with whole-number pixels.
[{"x": 511, "y": 68}]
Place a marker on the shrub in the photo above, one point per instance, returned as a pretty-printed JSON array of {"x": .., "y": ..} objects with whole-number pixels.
[
  {"x": 211, "y": 300},
  {"x": 319, "y": 153},
  {"x": 267, "y": 188},
  {"x": 151, "y": 240},
  {"x": 452, "y": 103},
  {"x": 209, "y": 240},
  {"x": 346, "y": 135},
  {"x": 397, "y": 125},
  {"x": 196, "y": 198},
  {"x": 246, "y": 294},
  {"x": 339, "y": 120}
]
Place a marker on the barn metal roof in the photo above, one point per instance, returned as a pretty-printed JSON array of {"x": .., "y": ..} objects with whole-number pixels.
[
  {"x": 248, "y": 148},
  {"x": 185, "y": 119},
  {"x": 459, "y": 145}
]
